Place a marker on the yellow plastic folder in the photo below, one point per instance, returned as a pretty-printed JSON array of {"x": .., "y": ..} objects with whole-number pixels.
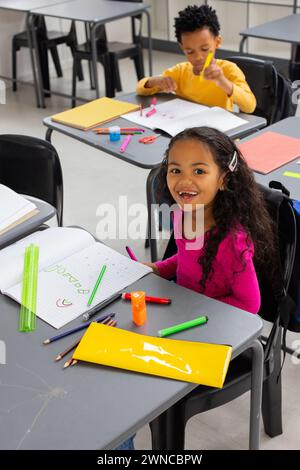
[
  {"x": 93, "y": 113},
  {"x": 200, "y": 363}
]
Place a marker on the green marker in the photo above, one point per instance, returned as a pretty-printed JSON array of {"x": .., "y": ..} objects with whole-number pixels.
[
  {"x": 103, "y": 269},
  {"x": 183, "y": 326},
  {"x": 292, "y": 174}
]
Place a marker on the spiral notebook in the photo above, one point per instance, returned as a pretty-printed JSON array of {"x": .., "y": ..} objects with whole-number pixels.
[{"x": 69, "y": 264}]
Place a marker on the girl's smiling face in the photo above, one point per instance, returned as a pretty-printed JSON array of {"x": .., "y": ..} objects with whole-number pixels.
[{"x": 193, "y": 177}]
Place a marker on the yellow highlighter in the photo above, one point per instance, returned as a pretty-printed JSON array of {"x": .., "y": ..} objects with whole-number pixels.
[{"x": 206, "y": 63}]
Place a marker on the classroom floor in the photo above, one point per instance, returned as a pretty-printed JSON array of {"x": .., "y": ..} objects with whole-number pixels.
[{"x": 92, "y": 177}]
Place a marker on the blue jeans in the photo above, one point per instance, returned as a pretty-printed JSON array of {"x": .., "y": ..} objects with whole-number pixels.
[{"x": 126, "y": 445}]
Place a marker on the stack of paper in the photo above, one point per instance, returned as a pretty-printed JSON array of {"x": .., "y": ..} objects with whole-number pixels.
[{"x": 14, "y": 209}]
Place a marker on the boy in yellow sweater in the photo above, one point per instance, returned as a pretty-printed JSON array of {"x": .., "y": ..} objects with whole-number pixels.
[{"x": 223, "y": 84}]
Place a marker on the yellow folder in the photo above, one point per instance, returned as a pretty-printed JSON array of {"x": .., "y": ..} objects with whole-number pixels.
[
  {"x": 200, "y": 363},
  {"x": 93, "y": 113}
]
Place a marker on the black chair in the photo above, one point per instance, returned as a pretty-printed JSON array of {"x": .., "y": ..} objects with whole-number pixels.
[
  {"x": 32, "y": 167},
  {"x": 47, "y": 40},
  {"x": 116, "y": 51},
  {"x": 261, "y": 76},
  {"x": 168, "y": 430}
]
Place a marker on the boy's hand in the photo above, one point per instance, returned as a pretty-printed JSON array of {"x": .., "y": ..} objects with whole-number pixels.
[
  {"x": 215, "y": 73},
  {"x": 153, "y": 267},
  {"x": 166, "y": 84}
]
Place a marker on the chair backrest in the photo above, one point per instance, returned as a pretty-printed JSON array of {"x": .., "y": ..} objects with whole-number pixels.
[
  {"x": 261, "y": 76},
  {"x": 31, "y": 166}
]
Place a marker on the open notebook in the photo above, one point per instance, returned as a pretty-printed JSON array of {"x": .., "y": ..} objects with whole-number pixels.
[
  {"x": 14, "y": 209},
  {"x": 69, "y": 265},
  {"x": 176, "y": 115}
]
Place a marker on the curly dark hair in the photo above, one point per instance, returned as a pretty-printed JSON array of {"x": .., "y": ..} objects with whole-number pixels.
[
  {"x": 194, "y": 17},
  {"x": 241, "y": 203}
]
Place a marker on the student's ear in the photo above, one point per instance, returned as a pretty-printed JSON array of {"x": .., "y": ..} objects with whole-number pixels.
[{"x": 219, "y": 41}]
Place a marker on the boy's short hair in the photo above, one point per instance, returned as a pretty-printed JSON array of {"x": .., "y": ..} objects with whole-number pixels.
[{"x": 196, "y": 17}]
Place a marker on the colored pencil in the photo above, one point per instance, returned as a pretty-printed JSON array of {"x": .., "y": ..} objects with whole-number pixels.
[
  {"x": 78, "y": 328},
  {"x": 103, "y": 269}
]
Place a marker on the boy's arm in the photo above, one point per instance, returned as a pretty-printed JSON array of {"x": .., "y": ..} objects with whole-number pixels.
[
  {"x": 231, "y": 79},
  {"x": 242, "y": 96},
  {"x": 167, "y": 82}
]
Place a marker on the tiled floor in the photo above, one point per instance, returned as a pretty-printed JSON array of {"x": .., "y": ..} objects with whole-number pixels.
[{"x": 91, "y": 178}]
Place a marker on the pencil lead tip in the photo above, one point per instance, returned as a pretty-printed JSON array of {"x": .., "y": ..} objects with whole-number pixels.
[
  {"x": 66, "y": 364},
  {"x": 58, "y": 358},
  {"x": 47, "y": 341}
]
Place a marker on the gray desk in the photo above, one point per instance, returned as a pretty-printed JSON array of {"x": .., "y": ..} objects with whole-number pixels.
[
  {"x": 26, "y": 6},
  {"x": 144, "y": 156},
  {"x": 94, "y": 13},
  {"x": 285, "y": 29},
  {"x": 46, "y": 211},
  {"x": 290, "y": 127},
  {"x": 90, "y": 406}
]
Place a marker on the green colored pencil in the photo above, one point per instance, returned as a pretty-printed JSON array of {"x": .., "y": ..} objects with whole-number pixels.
[{"x": 103, "y": 269}]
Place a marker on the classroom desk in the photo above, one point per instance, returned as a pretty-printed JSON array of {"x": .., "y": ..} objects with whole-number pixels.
[
  {"x": 144, "y": 156},
  {"x": 26, "y": 6},
  {"x": 94, "y": 13},
  {"x": 291, "y": 127},
  {"x": 46, "y": 212},
  {"x": 285, "y": 29},
  {"x": 90, "y": 406}
]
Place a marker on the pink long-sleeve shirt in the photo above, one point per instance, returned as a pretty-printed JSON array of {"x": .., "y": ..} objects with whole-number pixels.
[{"x": 234, "y": 279}]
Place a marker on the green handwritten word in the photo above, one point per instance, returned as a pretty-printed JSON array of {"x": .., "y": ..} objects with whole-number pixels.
[{"x": 72, "y": 279}]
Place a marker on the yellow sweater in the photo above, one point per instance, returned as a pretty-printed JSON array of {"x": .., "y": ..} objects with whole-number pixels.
[{"x": 190, "y": 87}]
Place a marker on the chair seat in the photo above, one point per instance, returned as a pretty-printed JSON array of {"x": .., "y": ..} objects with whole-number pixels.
[
  {"x": 21, "y": 40},
  {"x": 119, "y": 49}
]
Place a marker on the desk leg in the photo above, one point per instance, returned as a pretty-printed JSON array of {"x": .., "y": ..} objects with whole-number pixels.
[
  {"x": 149, "y": 41},
  {"x": 30, "y": 45},
  {"x": 152, "y": 225},
  {"x": 256, "y": 394},
  {"x": 242, "y": 43},
  {"x": 94, "y": 58},
  {"x": 48, "y": 134},
  {"x": 37, "y": 60}
]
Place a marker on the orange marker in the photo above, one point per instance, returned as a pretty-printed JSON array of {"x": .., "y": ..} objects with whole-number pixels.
[{"x": 138, "y": 307}]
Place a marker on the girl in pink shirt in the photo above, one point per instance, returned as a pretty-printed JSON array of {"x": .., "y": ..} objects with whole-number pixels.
[{"x": 204, "y": 170}]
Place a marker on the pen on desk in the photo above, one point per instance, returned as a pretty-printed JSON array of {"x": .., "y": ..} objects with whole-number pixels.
[
  {"x": 182, "y": 326},
  {"x": 125, "y": 143},
  {"x": 131, "y": 254},
  {"x": 148, "y": 298},
  {"x": 78, "y": 328},
  {"x": 93, "y": 311},
  {"x": 103, "y": 269},
  {"x": 75, "y": 344},
  {"x": 122, "y": 129}
]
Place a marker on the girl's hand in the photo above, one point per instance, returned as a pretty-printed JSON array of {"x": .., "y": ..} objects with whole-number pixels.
[
  {"x": 153, "y": 267},
  {"x": 166, "y": 84},
  {"x": 215, "y": 73}
]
